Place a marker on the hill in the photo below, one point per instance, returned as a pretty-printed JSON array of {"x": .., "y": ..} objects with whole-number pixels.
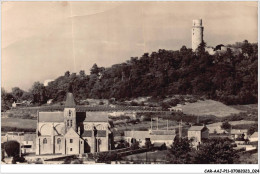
[{"x": 226, "y": 77}]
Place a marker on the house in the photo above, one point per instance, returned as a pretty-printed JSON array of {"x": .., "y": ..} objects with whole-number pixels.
[
  {"x": 254, "y": 137},
  {"x": 49, "y": 101},
  {"x": 28, "y": 143},
  {"x": 197, "y": 134},
  {"x": 176, "y": 108},
  {"x": 216, "y": 129},
  {"x": 72, "y": 132},
  {"x": 155, "y": 136},
  {"x": 239, "y": 134}
]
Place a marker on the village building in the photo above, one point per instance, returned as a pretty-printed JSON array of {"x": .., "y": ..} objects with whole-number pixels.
[
  {"x": 154, "y": 136},
  {"x": 197, "y": 134},
  {"x": 26, "y": 140},
  {"x": 72, "y": 132},
  {"x": 216, "y": 129},
  {"x": 239, "y": 134},
  {"x": 254, "y": 137}
]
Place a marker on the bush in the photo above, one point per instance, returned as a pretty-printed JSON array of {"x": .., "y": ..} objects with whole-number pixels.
[{"x": 12, "y": 148}]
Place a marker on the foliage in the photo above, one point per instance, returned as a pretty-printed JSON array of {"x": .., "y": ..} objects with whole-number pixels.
[
  {"x": 229, "y": 77},
  {"x": 215, "y": 151},
  {"x": 108, "y": 157},
  {"x": 211, "y": 151},
  {"x": 225, "y": 125},
  {"x": 12, "y": 148},
  {"x": 180, "y": 151}
]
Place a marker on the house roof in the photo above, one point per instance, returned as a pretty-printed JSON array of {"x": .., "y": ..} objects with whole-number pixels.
[
  {"x": 96, "y": 117},
  {"x": 162, "y": 137},
  {"x": 146, "y": 134},
  {"x": 70, "y": 102},
  {"x": 51, "y": 117},
  {"x": 137, "y": 134},
  {"x": 196, "y": 128},
  {"x": 238, "y": 131},
  {"x": 29, "y": 137},
  {"x": 254, "y": 135},
  {"x": 163, "y": 132}
]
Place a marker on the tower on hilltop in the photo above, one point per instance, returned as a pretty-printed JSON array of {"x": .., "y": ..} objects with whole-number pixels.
[{"x": 197, "y": 33}]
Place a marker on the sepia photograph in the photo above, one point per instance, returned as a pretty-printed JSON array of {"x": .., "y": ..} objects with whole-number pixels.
[{"x": 141, "y": 82}]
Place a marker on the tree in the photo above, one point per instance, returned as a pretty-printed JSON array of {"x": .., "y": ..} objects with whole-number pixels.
[
  {"x": 12, "y": 148},
  {"x": 225, "y": 125},
  {"x": 39, "y": 93},
  {"x": 94, "y": 69},
  {"x": 6, "y": 100},
  {"x": 67, "y": 74},
  {"x": 17, "y": 93},
  {"x": 180, "y": 151},
  {"x": 215, "y": 151}
]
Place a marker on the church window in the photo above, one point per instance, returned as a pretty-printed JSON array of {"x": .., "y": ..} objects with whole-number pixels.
[
  {"x": 70, "y": 113},
  {"x": 70, "y": 149},
  {"x": 68, "y": 123},
  {"x": 58, "y": 141},
  {"x": 44, "y": 141},
  {"x": 71, "y": 140},
  {"x": 71, "y": 123}
]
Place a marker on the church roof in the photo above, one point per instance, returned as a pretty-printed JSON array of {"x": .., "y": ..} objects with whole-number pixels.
[
  {"x": 70, "y": 102},
  {"x": 71, "y": 133},
  {"x": 96, "y": 117},
  {"x": 51, "y": 117},
  {"x": 197, "y": 128}
]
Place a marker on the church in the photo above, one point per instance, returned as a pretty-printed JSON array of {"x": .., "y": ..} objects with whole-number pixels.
[{"x": 72, "y": 132}]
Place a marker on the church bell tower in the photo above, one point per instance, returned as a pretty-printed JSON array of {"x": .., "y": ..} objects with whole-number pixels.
[{"x": 70, "y": 113}]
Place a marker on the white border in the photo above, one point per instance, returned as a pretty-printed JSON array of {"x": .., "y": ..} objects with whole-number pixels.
[{"x": 120, "y": 168}]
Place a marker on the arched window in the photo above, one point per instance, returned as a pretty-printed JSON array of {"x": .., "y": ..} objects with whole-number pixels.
[
  {"x": 44, "y": 141},
  {"x": 68, "y": 123},
  {"x": 70, "y": 113},
  {"x": 58, "y": 141}
]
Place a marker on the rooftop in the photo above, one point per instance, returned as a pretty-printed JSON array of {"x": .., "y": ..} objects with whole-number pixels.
[
  {"x": 196, "y": 128},
  {"x": 96, "y": 117},
  {"x": 254, "y": 135},
  {"x": 51, "y": 117},
  {"x": 70, "y": 102},
  {"x": 238, "y": 131}
]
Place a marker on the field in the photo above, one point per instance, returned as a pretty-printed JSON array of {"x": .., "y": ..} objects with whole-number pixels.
[
  {"x": 19, "y": 123},
  {"x": 234, "y": 123},
  {"x": 209, "y": 107}
]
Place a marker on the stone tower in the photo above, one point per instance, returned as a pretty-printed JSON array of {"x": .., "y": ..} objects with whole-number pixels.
[
  {"x": 70, "y": 113},
  {"x": 197, "y": 33}
]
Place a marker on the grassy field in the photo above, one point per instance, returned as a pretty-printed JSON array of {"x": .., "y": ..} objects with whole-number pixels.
[
  {"x": 234, "y": 123},
  {"x": 19, "y": 123},
  {"x": 209, "y": 107}
]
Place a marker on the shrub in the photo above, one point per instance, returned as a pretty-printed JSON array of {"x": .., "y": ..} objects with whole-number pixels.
[{"x": 12, "y": 148}]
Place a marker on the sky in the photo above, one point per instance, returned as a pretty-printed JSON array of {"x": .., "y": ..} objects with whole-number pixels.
[{"x": 43, "y": 40}]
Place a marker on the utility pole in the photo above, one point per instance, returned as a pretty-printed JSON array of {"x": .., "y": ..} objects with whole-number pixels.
[
  {"x": 157, "y": 122},
  {"x": 151, "y": 123}
]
